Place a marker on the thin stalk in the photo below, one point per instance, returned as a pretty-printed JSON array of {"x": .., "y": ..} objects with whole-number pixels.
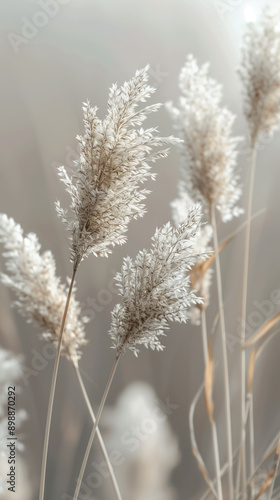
[
  {"x": 100, "y": 409},
  {"x": 224, "y": 348},
  {"x": 52, "y": 392},
  {"x": 244, "y": 307},
  {"x": 252, "y": 440},
  {"x": 223, "y": 471},
  {"x": 204, "y": 335},
  {"x": 237, "y": 486},
  {"x": 213, "y": 423},
  {"x": 99, "y": 435}
]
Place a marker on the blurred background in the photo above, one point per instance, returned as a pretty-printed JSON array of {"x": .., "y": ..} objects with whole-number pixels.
[{"x": 55, "y": 55}]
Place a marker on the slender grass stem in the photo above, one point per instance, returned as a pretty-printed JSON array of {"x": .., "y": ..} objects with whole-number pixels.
[
  {"x": 224, "y": 348},
  {"x": 99, "y": 435},
  {"x": 252, "y": 440},
  {"x": 213, "y": 423},
  {"x": 244, "y": 308},
  {"x": 238, "y": 475},
  {"x": 100, "y": 409},
  {"x": 204, "y": 335},
  {"x": 52, "y": 391}
]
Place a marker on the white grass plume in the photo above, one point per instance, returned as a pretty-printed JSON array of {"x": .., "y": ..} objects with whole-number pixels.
[
  {"x": 115, "y": 157},
  {"x": 40, "y": 295},
  {"x": 260, "y": 73},
  {"x": 155, "y": 286},
  {"x": 208, "y": 153}
]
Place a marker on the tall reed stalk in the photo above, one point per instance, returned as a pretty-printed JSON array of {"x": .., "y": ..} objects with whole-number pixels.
[
  {"x": 243, "y": 314},
  {"x": 212, "y": 421},
  {"x": 99, "y": 435},
  {"x": 224, "y": 350},
  {"x": 52, "y": 391},
  {"x": 99, "y": 413}
]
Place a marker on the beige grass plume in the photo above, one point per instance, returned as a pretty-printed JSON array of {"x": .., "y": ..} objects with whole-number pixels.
[
  {"x": 115, "y": 157},
  {"x": 155, "y": 286},
  {"x": 208, "y": 153},
  {"x": 40, "y": 296},
  {"x": 260, "y": 73}
]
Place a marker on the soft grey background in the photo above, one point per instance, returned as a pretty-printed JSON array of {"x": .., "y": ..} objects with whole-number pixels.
[{"x": 77, "y": 55}]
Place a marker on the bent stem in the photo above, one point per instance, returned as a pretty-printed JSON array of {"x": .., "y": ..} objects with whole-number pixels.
[
  {"x": 244, "y": 309},
  {"x": 224, "y": 348},
  {"x": 52, "y": 391},
  {"x": 100, "y": 409},
  {"x": 213, "y": 423},
  {"x": 99, "y": 435}
]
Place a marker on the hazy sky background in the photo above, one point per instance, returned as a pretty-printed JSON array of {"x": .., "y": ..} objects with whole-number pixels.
[{"x": 79, "y": 50}]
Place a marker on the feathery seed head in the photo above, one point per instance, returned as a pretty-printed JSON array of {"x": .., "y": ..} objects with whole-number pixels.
[
  {"x": 40, "y": 296},
  {"x": 115, "y": 157},
  {"x": 260, "y": 74},
  {"x": 155, "y": 287},
  {"x": 208, "y": 153}
]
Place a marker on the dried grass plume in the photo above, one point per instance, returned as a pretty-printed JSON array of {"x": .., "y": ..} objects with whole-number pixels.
[
  {"x": 40, "y": 295},
  {"x": 115, "y": 157},
  {"x": 260, "y": 73},
  {"x": 155, "y": 286},
  {"x": 208, "y": 153}
]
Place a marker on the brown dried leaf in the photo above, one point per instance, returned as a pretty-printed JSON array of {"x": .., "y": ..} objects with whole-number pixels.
[
  {"x": 271, "y": 475},
  {"x": 195, "y": 449},
  {"x": 277, "y": 451},
  {"x": 266, "y": 484},
  {"x": 268, "y": 324},
  {"x": 271, "y": 449},
  {"x": 215, "y": 323},
  {"x": 254, "y": 356},
  {"x": 201, "y": 467},
  {"x": 208, "y": 382},
  {"x": 202, "y": 267}
]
